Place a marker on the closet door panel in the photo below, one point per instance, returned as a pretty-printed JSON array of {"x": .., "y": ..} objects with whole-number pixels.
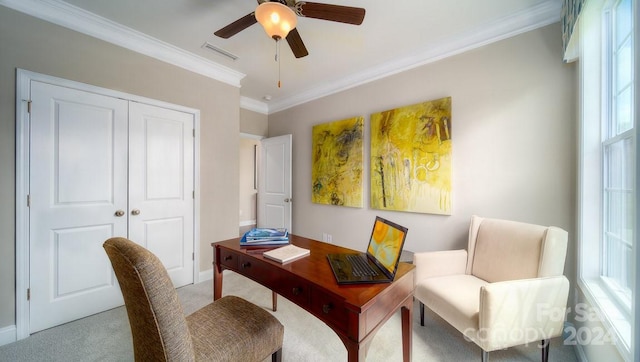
[
  {"x": 78, "y": 180},
  {"x": 161, "y": 186}
]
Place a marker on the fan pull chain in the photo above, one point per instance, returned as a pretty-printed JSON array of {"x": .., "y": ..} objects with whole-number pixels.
[{"x": 278, "y": 60}]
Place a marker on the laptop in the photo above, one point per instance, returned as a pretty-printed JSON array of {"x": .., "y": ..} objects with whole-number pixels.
[{"x": 382, "y": 256}]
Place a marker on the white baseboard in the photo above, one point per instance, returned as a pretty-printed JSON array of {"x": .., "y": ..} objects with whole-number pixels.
[
  {"x": 205, "y": 275},
  {"x": 247, "y": 223},
  {"x": 577, "y": 348},
  {"x": 582, "y": 357},
  {"x": 8, "y": 335},
  {"x": 208, "y": 275}
]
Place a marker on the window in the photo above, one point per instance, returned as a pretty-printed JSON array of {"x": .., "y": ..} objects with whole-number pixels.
[
  {"x": 608, "y": 183},
  {"x": 618, "y": 154}
]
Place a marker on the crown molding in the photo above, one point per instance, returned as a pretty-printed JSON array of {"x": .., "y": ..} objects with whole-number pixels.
[
  {"x": 61, "y": 13},
  {"x": 72, "y": 17},
  {"x": 253, "y": 105},
  {"x": 541, "y": 15}
]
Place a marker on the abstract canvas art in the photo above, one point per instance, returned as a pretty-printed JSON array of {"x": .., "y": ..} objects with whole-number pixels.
[
  {"x": 337, "y": 162},
  {"x": 411, "y": 158}
]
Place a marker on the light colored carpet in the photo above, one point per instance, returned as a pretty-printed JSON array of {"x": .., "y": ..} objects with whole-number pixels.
[{"x": 106, "y": 336}]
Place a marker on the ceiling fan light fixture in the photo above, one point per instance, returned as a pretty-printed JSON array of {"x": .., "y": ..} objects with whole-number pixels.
[{"x": 276, "y": 19}]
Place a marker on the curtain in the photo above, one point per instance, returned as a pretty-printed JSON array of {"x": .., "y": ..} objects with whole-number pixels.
[{"x": 570, "y": 11}]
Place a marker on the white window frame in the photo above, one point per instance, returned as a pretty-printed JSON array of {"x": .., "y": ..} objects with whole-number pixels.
[
  {"x": 617, "y": 312},
  {"x": 611, "y": 137}
]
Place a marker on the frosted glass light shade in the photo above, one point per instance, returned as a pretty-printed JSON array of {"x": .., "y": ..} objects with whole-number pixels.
[{"x": 276, "y": 19}]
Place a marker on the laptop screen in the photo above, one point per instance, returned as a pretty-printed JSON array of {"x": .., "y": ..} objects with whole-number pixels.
[{"x": 387, "y": 240}]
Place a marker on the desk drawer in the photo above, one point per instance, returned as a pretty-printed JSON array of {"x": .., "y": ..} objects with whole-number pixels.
[
  {"x": 329, "y": 308},
  {"x": 228, "y": 259},
  {"x": 260, "y": 271},
  {"x": 294, "y": 289}
]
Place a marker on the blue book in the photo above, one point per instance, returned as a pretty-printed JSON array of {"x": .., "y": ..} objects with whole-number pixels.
[
  {"x": 266, "y": 234},
  {"x": 265, "y": 237},
  {"x": 278, "y": 241}
]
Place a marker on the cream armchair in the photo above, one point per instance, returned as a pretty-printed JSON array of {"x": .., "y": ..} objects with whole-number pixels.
[{"x": 505, "y": 290}]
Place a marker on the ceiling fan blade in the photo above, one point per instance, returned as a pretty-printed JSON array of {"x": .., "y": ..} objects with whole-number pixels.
[
  {"x": 339, "y": 13},
  {"x": 296, "y": 44},
  {"x": 237, "y": 26}
]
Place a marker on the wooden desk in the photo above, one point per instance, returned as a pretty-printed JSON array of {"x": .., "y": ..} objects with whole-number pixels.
[{"x": 354, "y": 312}]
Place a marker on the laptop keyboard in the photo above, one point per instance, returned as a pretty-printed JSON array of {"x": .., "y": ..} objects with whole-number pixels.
[{"x": 360, "y": 267}]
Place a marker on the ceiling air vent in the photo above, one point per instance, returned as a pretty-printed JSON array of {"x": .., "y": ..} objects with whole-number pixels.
[{"x": 220, "y": 51}]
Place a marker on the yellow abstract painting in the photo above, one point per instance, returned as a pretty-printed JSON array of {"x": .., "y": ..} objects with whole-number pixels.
[
  {"x": 411, "y": 158},
  {"x": 337, "y": 162}
]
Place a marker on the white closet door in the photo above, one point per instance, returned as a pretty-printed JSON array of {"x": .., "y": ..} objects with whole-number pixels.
[
  {"x": 161, "y": 186},
  {"x": 78, "y": 181},
  {"x": 102, "y": 166}
]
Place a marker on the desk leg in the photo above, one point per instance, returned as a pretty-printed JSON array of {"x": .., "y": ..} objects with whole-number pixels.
[
  {"x": 407, "y": 316},
  {"x": 356, "y": 352},
  {"x": 274, "y": 301},
  {"x": 217, "y": 282}
]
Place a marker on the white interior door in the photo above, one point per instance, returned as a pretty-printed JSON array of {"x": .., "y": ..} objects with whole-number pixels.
[
  {"x": 100, "y": 167},
  {"x": 161, "y": 191},
  {"x": 274, "y": 183},
  {"x": 78, "y": 180}
]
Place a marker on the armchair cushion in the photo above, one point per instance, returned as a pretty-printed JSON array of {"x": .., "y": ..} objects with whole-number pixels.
[
  {"x": 507, "y": 250},
  {"x": 439, "y": 263},
  {"x": 452, "y": 297}
]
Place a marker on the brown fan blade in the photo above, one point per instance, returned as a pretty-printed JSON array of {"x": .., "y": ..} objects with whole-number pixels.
[
  {"x": 296, "y": 44},
  {"x": 339, "y": 13},
  {"x": 237, "y": 26}
]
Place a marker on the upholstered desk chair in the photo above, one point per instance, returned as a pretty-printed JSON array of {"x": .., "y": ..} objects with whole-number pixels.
[
  {"x": 507, "y": 289},
  {"x": 229, "y": 329}
]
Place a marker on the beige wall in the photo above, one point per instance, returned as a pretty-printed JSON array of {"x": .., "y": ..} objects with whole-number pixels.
[
  {"x": 514, "y": 142},
  {"x": 38, "y": 46},
  {"x": 253, "y": 123}
]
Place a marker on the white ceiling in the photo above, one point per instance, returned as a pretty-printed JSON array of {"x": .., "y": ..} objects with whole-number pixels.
[{"x": 395, "y": 36}]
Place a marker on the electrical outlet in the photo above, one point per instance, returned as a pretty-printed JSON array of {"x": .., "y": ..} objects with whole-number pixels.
[
  {"x": 324, "y": 237},
  {"x": 329, "y": 238}
]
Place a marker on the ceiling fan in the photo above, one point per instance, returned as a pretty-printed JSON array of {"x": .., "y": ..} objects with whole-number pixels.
[{"x": 338, "y": 13}]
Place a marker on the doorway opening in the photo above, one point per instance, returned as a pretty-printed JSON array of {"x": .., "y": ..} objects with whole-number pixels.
[{"x": 249, "y": 161}]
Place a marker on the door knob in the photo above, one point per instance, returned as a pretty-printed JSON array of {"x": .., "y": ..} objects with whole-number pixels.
[
  {"x": 119, "y": 213},
  {"x": 288, "y": 200},
  {"x": 135, "y": 212}
]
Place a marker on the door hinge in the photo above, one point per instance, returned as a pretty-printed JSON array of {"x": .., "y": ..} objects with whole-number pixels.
[
  {"x": 29, "y": 106},
  {"x": 28, "y": 200},
  {"x": 194, "y": 133},
  {"x": 193, "y": 195},
  {"x": 193, "y": 256},
  {"x": 28, "y": 294}
]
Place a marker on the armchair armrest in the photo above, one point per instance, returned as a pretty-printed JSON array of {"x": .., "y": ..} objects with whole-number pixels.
[
  {"x": 521, "y": 311},
  {"x": 440, "y": 263}
]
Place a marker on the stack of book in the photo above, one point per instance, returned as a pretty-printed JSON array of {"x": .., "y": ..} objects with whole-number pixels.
[{"x": 265, "y": 237}]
